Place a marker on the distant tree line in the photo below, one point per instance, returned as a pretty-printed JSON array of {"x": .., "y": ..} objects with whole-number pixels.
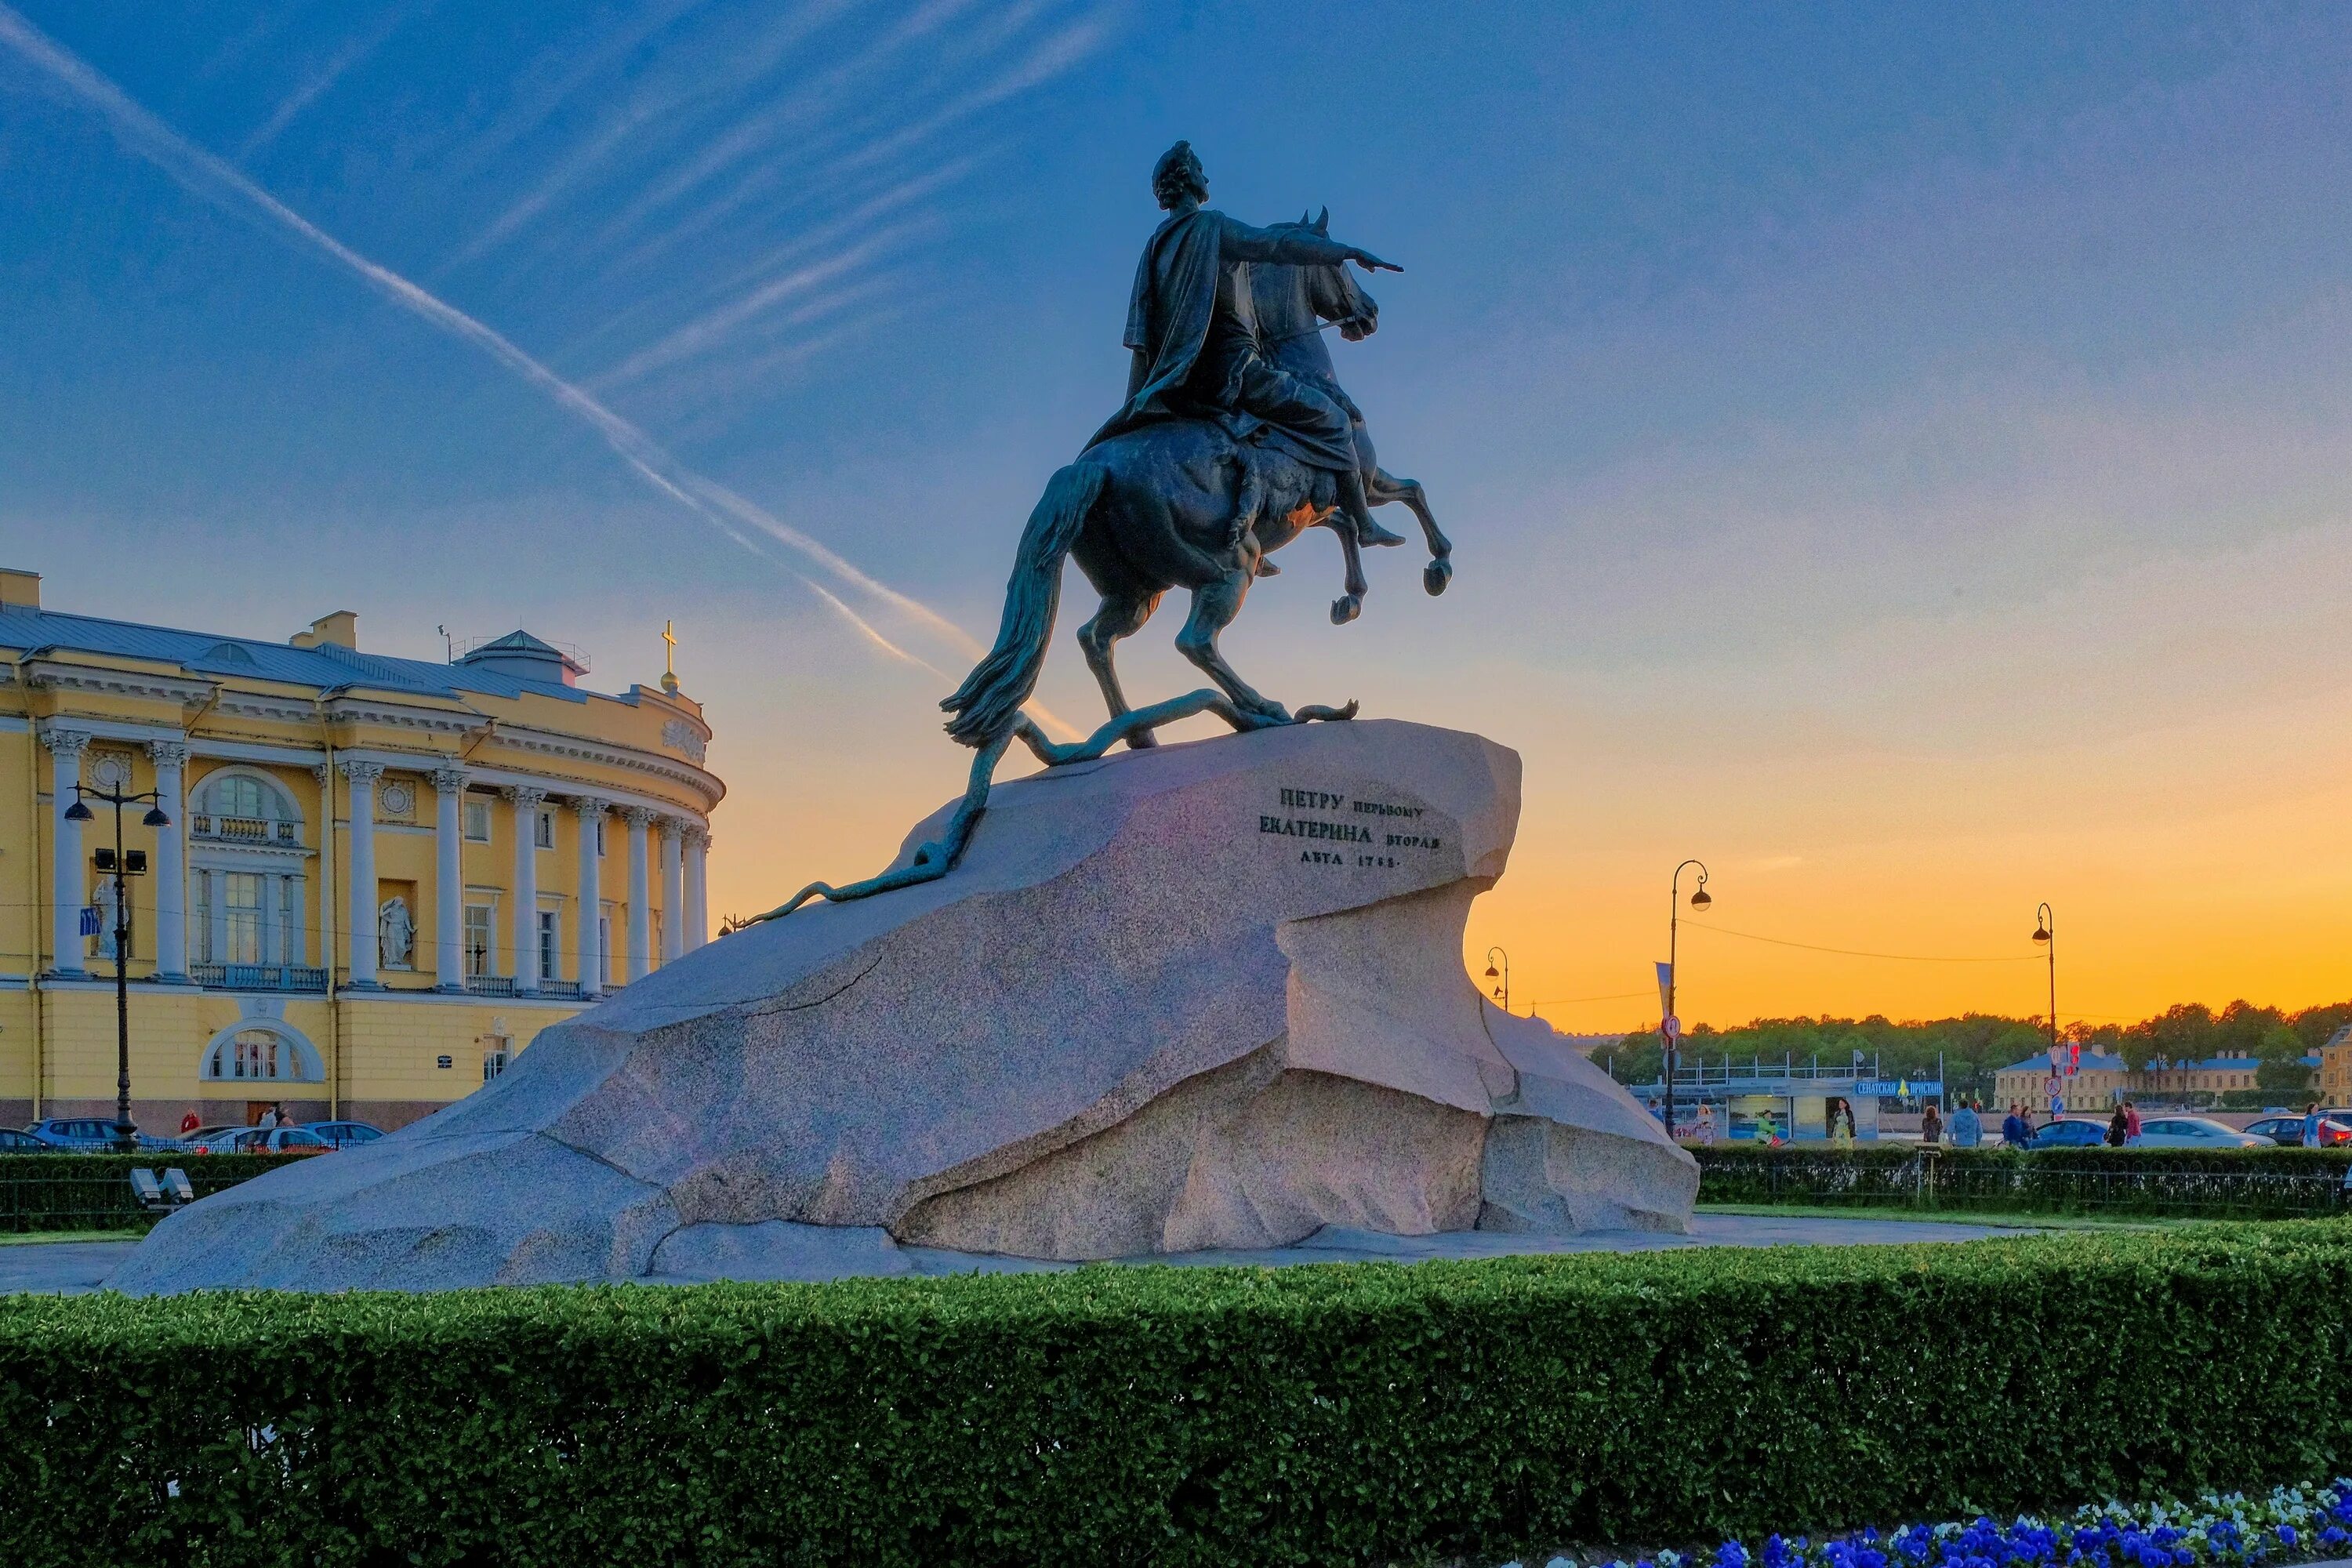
[{"x": 1975, "y": 1045}]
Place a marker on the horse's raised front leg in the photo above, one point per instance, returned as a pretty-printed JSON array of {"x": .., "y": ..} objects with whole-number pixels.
[
  {"x": 1385, "y": 488},
  {"x": 1122, "y": 615},
  {"x": 1214, "y": 605}
]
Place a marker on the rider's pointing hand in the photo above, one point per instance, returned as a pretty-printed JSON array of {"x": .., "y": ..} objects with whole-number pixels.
[{"x": 1370, "y": 263}]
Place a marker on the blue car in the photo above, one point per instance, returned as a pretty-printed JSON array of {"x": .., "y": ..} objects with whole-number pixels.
[
  {"x": 343, "y": 1134},
  {"x": 2077, "y": 1134},
  {"x": 88, "y": 1133}
]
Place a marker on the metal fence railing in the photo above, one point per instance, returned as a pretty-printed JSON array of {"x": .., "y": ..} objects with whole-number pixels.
[{"x": 93, "y": 1191}]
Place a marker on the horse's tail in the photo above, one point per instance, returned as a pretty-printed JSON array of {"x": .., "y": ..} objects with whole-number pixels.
[{"x": 991, "y": 697}]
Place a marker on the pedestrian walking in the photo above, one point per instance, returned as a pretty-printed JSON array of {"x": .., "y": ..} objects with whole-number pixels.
[
  {"x": 2118, "y": 1128},
  {"x": 2131, "y": 1118},
  {"x": 189, "y": 1124},
  {"x": 2016, "y": 1128},
  {"x": 269, "y": 1118},
  {"x": 1706, "y": 1124},
  {"x": 1841, "y": 1124},
  {"x": 1967, "y": 1127},
  {"x": 1931, "y": 1127}
]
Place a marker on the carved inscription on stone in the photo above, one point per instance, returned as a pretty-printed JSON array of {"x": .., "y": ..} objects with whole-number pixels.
[{"x": 1335, "y": 828}]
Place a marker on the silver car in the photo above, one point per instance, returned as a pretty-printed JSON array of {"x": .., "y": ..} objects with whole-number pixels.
[{"x": 2195, "y": 1132}]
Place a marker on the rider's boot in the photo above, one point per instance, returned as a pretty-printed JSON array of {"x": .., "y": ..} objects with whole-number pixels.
[{"x": 1359, "y": 511}]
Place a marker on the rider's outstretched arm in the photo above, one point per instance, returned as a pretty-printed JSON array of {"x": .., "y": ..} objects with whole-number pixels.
[{"x": 1291, "y": 247}]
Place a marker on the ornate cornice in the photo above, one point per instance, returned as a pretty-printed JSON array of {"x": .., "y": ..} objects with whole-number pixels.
[
  {"x": 392, "y": 715},
  {"x": 603, "y": 753},
  {"x": 53, "y": 674},
  {"x": 266, "y": 706}
]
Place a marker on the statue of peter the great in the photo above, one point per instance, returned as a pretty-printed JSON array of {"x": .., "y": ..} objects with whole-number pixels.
[{"x": 1194, "y": 332}]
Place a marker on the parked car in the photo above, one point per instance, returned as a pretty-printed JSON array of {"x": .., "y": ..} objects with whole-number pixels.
[
  {"x": 14, "y": 1143},
  {"x": 2195, "y": 1132},
  {"x": 265, "y": 1140},
  {"x": 88, "y": 1133},
  {"x": 196, "y": 1138},
  {"x": 2334, "y": 1130},
  {"x": 2078, "y": 1133},
  {"x": 345, "y": 1134}
]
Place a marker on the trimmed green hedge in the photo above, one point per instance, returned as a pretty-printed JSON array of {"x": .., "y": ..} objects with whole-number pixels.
[
  {"x": 1335, "y": 1413},
  {"x": 93, "y": 1192},
  {"x": 2193, "y": 1183}
]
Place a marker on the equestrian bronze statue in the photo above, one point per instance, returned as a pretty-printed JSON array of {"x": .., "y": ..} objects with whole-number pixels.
[{"x": 1235, "y": 440}]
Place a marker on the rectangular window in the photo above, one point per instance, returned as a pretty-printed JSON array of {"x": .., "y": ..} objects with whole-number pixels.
[
  {"x": 655, "y": 956},
  {"x": 200, "y": 918},
  {"x": 550, "y": 954},
  {"x": 477, "y": 821},
  {"x": 600, "y": 838},
  {"x": 243, "y": 898},
  {"x": 604, "y": 949},
  {"x": 543, "y": 835},
  {"x": 477, "y": 940}
]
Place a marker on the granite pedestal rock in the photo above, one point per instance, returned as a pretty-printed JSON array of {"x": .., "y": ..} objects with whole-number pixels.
[{"x": 1208, "y": 996}]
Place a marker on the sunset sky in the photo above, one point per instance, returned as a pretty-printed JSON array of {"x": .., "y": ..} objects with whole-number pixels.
[{"x": 1897, "y": 454}]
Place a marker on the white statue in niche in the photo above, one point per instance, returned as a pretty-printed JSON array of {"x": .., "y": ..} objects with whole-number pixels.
[{"x": 395, "y": 934}]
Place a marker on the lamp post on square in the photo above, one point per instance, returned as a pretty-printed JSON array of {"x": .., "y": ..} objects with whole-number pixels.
[
  {"x": 121, "y": 864},
  {"x": 1670, "y": 1026},
  {"x": 1501, "y": 989}
]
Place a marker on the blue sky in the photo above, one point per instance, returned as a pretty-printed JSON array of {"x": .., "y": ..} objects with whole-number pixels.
[{"x": 1871, "y": 433}]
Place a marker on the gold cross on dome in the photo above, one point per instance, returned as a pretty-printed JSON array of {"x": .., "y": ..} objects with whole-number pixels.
[{"x": 669, "y": 653}]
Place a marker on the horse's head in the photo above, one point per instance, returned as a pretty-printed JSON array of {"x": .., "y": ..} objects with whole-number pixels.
[{"x": 1311, "y": 293}]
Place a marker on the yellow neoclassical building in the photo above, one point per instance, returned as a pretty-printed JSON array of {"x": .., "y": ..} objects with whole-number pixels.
[{"x": 380, "y": 878}]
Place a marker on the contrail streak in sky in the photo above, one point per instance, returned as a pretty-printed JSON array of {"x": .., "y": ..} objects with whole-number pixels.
[{"x": 209, "y": 175}]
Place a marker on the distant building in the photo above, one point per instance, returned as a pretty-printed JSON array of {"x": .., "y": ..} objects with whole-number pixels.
[
  {"x": 2103, "y": 1079},
  {"x": 2335, "y": 1069},
  {"x": 381, "y": 876}
]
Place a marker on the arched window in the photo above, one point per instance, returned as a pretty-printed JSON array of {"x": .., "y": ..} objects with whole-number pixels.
[
  {"x": 244, "y": 807},
  {"x": 261, "y": 1053}
]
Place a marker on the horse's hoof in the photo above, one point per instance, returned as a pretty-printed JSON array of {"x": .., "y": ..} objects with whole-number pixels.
[
  {"x": 1346, "y": 608},
  {"x": 1268, "y": 569},
  {"x": 1436, "y": 574},
  {"x": 1370, "y": 532}
]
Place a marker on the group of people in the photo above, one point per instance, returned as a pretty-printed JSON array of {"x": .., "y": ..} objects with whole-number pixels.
[{"x": 1966, "y": 1126}]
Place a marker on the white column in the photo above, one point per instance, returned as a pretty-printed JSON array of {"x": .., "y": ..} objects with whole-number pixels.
[
  {"x": 449, "y": 878},
  {"x": 171, "y": 758},
  {"x": 66, "y": 889},
  {"x": 301, "y": 946},
  {"x": 673, "y": 842},
  {"x": 641, "y": 893},
  {"x": 361, "y": 902},
  {"x": 526, "y": 886},
  {"x": 592, "y": 895},
  {"x": 698, "y": 887}
]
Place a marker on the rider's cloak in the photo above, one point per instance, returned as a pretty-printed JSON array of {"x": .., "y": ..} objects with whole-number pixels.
[{"x": 1173, "y": 308}]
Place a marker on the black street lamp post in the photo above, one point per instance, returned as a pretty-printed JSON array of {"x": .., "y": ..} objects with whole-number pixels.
[
  {"x": 2045, "y": 932},
  {"x": 121, "y": 864},
  {"x": 1502, "y": 978},
  {"x": 1670, "y": 1026}
]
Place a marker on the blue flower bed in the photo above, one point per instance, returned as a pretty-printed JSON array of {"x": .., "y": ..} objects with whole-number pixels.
[{"x": 2293, "y": 1524}]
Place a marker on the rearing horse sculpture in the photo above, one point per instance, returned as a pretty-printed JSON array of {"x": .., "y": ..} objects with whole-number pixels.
[{"x": 1177, "y": 504}]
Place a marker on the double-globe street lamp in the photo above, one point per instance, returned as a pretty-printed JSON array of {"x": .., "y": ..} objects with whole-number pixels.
[
  {"x": 1670, "y": 1026},
  {"x": 121, "y": 865}
]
